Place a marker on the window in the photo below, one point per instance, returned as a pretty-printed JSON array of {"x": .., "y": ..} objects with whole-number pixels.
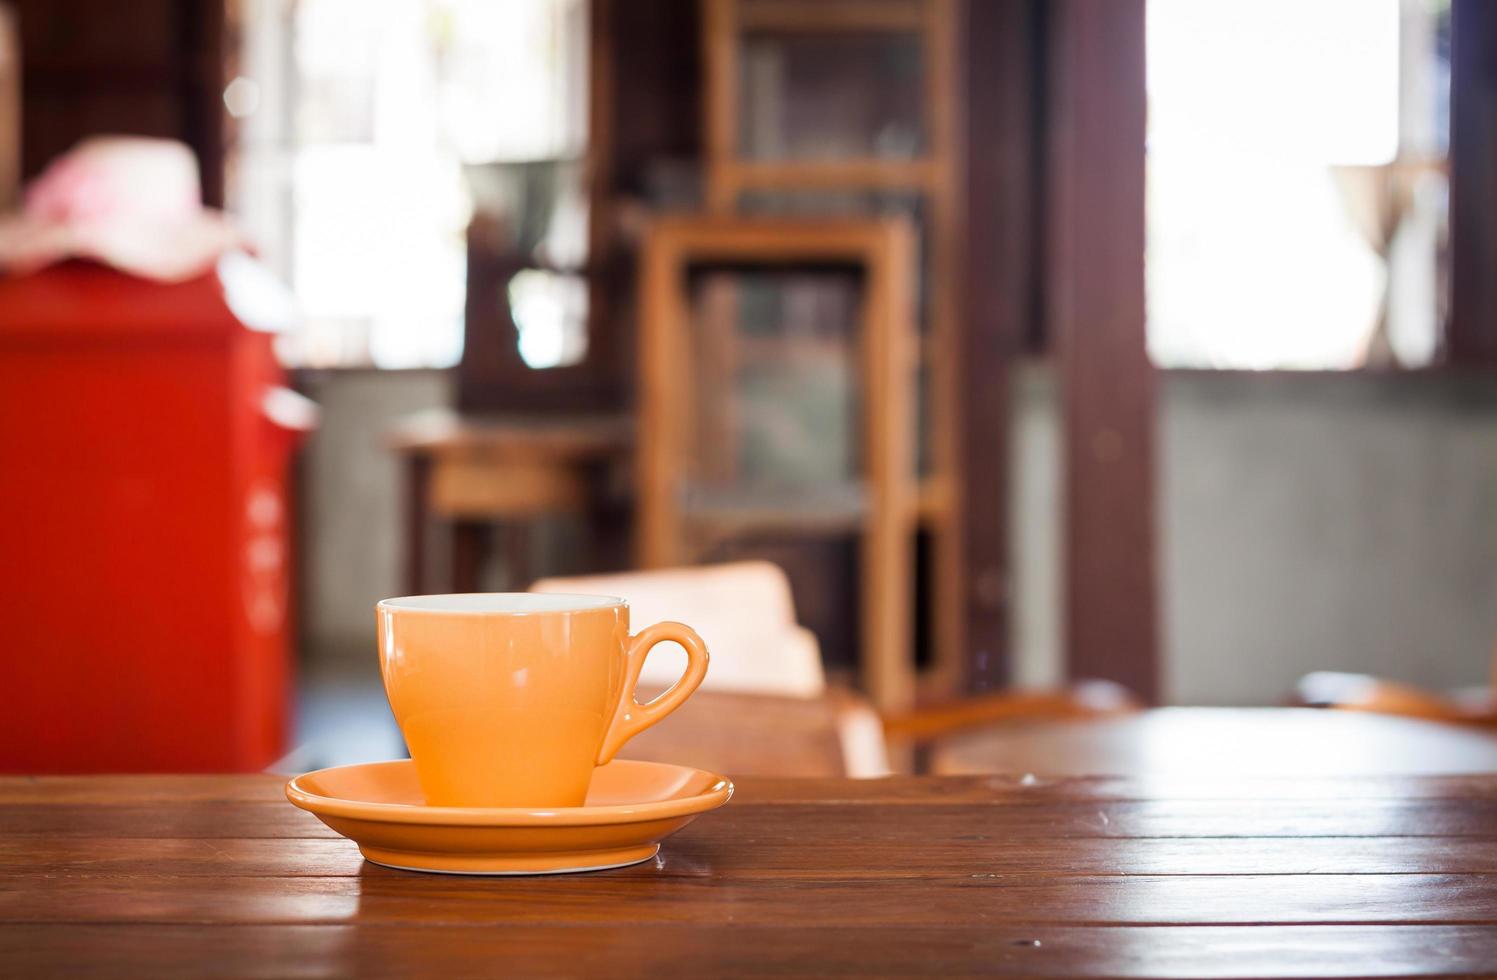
[
  {"x": 1297, "y": 182},
  {"x": 357, "y": 118}
]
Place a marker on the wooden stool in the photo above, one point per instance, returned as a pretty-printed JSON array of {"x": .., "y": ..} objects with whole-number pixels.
[{"x": 474, "y": 472}]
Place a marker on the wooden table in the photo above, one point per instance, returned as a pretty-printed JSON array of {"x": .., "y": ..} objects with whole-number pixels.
[
  {"x": 1004, "y": 875},
  {"x": 474, "y": 472}
]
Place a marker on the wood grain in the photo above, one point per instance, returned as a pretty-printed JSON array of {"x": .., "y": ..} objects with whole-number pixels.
[
  {"x": 794, "y": 951},
  {"x": 965, "y": 899},
  {"x": 770, "y": 791},
  {"x": 152, "y": 791},
  {"x": 1027, "y": 822},
  {"x": 695, "y": 853},
  {"x": 1006, "y": 875}
]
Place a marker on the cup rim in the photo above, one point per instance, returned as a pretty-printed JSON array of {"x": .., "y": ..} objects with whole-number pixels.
[{"x": 500, "y": 603}]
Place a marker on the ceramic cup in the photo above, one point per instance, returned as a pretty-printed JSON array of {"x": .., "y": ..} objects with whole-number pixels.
[{"x": 512, "y": 699}]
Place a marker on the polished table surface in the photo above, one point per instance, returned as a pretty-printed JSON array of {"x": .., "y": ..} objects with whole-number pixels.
[{"x": 1025, "y": 874}]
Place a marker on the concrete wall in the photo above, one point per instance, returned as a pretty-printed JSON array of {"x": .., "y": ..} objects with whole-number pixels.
[
  {"x": 1306, "y": 522},
  {"x": 1034, "y": 517},
  {"x": 1329, "y": 522},
  {"x": 351, "y": 496}
]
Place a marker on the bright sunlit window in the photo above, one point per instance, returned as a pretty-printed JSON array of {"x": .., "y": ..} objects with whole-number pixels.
[
  {"x": 1296, "y": 182},
  {"x": 357, "y": 118}
]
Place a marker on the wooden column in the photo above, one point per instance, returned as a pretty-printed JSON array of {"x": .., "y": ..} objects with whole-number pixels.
[
  {"x": 1472, "y": 334},
  {"x": 997, "y": 286},
  {"x": 1095, "y": 308}
]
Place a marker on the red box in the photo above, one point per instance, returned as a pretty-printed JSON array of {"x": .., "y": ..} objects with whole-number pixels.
[{"x": 144, "y": 543}]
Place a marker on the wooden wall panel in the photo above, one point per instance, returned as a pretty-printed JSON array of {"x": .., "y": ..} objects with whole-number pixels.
[{"x": 146, "y": 67}]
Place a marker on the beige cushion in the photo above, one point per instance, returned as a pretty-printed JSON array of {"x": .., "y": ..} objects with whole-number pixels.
[{"x": 744, "y": 612}]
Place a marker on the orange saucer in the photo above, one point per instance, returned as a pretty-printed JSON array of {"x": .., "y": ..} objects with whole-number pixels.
[{"x": 631, "y": 807}]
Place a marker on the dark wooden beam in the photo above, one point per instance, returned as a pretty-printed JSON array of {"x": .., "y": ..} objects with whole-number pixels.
[
  {"x": 1095, "y": 310},
  {"x": 1471, "y": 337},
  {"x": 999, "y": 83}
]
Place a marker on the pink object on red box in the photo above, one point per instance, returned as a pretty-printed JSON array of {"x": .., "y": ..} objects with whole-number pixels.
[{"x": 127, "y": 201}]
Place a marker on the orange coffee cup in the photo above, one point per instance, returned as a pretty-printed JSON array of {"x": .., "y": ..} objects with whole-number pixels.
[{"x": 513, "y": 698}]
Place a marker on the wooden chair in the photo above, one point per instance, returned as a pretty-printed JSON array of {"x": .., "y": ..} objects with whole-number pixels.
[
  {"x": 743, "y": 609},
  {"x": 685, "y": 509},
  {"x": 1363, "y": 692},
  {"x": 475, "y": 473},
  {"x": 750, "y": 166},
  {"x": 766, "y": 706}
]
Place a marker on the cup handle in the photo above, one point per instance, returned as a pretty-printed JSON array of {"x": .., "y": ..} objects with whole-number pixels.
[{"x": 631, "y": 718}]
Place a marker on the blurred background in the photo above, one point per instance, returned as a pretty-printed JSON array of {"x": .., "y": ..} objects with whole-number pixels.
[{"x": 1148, "y": 342}]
